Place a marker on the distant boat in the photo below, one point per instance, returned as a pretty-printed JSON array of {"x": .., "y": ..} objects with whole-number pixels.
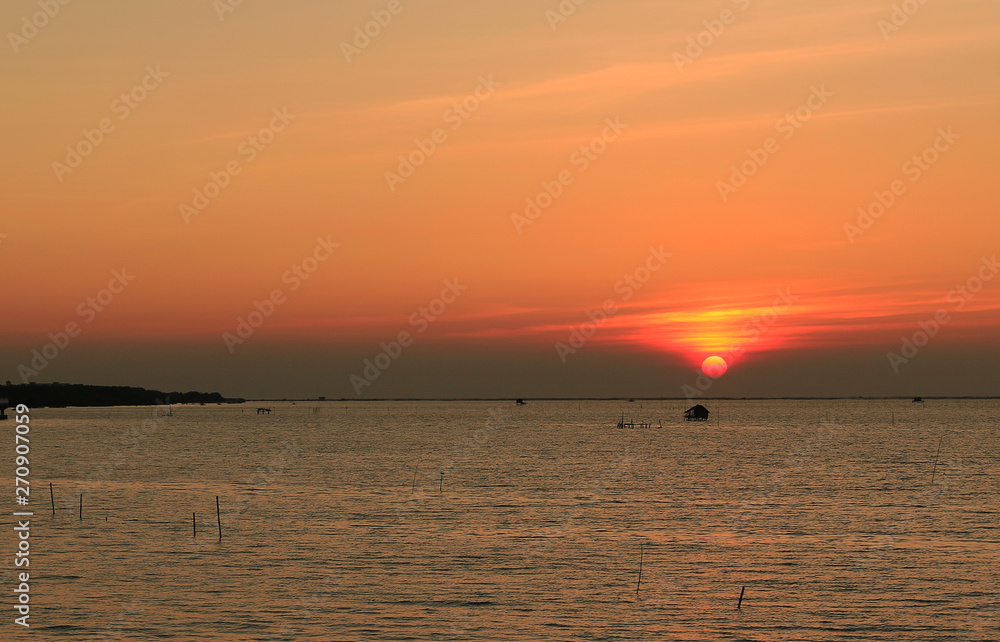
[
  {"x": 696, "y": 413},
  {"x": 918, "y": 400},
  {"x": 520, "y": 402}
]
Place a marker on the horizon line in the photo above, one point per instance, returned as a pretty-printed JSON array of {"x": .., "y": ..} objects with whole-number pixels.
[{"x": 910, "y": 398}]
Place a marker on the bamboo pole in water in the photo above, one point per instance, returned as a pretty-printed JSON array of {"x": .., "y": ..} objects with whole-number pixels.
[
  {"x": 639, "y": 582},
  {"x": 416, "y": 469},
  {"x": 934, "y": 471},
  {"x": 218, "y": 516},
  {"x": 52, "y": 498},
  {"x": 194, "y": 526},
  {"x": 81, "y": 506},
  {"x": 739, "y": 605}
]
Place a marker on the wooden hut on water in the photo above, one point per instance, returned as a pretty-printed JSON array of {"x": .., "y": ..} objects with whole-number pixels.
[{"x": 696, "y": 413}]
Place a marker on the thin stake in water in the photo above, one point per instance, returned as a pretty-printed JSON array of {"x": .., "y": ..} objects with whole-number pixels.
[
  {"x": 639, "y": 582},
  {"x": 218, "y": 516},
  {"x": 52, "y": 498},
  {"x": 194, "y": 526},
  {"x": 81, "y": 506},
  {"x": 441, "y": 484},
  {"x": 739, "y": 605},
  {"x": 934, "y": 471}
]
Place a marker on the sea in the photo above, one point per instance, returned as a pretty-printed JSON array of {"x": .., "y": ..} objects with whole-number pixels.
[{"x": 484, "y": 520}]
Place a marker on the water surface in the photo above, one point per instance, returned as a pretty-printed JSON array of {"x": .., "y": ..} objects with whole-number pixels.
[{"x": 487, "y": 521}]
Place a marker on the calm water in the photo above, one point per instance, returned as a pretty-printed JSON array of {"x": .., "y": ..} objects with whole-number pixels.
[{"x": 339, "y": 525}]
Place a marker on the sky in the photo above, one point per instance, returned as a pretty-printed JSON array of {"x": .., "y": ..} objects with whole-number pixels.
[{"x": 431, "y": 198}]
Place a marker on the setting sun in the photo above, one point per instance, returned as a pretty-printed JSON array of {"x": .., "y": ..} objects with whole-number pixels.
[
  {"x": 714, "y": 367},
  {"x": 617, "y": 191}
]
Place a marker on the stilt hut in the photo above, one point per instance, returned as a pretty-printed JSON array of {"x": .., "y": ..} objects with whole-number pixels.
[{"x": 697, "y": 413}]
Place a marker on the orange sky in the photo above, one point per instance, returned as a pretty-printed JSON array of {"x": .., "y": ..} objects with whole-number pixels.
[{"x": 842, "y": 102}]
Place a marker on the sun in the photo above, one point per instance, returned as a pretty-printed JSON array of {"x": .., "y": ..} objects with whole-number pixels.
[{"x": 714, "y": 367}]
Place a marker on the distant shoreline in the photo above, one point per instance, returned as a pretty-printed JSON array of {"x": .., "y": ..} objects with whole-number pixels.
[{"x": 67, "y": 395}]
